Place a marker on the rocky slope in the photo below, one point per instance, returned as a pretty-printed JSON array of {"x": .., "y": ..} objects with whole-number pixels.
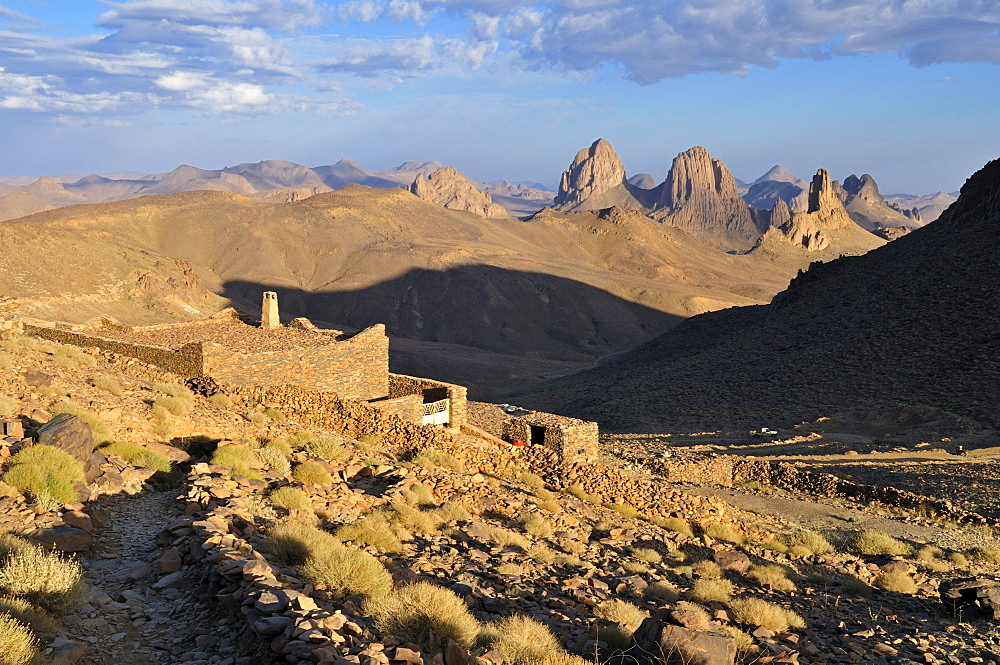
[
  {"x": 911, "y": 322},
  {"x": 450, "y": 189}
]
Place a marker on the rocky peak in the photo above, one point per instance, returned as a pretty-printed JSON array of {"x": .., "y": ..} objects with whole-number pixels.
[
  {"x": 863, "y": 188},
  {"x": 780, "y": 214},
  {"x": 822, "y": 195},
  {"x": 449, "y": 188},
  {"x": 826, "y": 213},
  {"x": 695, "y": 174},
  {"x": 594, "y": 171},
  {"x": 778, "y": 174}
]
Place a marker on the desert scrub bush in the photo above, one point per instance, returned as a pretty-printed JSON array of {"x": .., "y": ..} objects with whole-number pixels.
[
  {"x": 707, "y": 568},
  {"x": 577, "y": 490},
  {"x": 240, "y": 458},
  {"x": 71, "y": 356},
  {"x": 984, "y": 554},
  {"x": 291, "y": 498},
  {"x": 452, "y": 512},
  {"x": 221, "y": 400},
  {"x": 45, "y": 473},
  {"x": 97, "y": 428},
  {"x": 10, "y": 545},
  {"x": 272, "y": 457},
  {"x": 620, "y": 611},
  {"x": 507, "y": 538},
  {"x": 36, "y": 619},
  {"x": 17, "y": 643},
  {"x": 163, "y": 425},
  {"x": 541, "y": 554},
  {"x": 721, "y": 531},
  {"x": 573, "y": 547},
  {"x": 532, "y": 480},
  {"x": 625, "y": 509},
  {"x": 430, "y": 458},
  {"x": 932, "y": 559},
  {"x": 329, "y": 448},
  {"x": 871, "y": 543},
  {"x": 258, "y": 418},
  {"x": 898, "y": 581},
  {"x": 510, "y": 568},
  {"x": 8, "y": 406},
  {"x": 647, "y": 554},
  {"x": 958, "y": 559},
  {"x": 425, "y": 614},
  {"x": 138, "y": 456},
  {"x": 635, "y": 568},
  {"x": 293, "y": 542},
  {"x": 109, "y": 385},
  {"x": 46, "y": 579},
  {"x": 759, "y": 613},
  {"x": 274, "y": 414},
  {"x": 347, "y": 572},
  {"x": 521, "y": 640},
  {"x": 775, "y": 546},
  {"x": 772, "y": 576},
  {"x": 282, "y": 446},
  {"x": 174, "y": 390},
  {"x": 419, "y": 495},
  {"x": 662, "y": 591},
  {"x": 705, "y": 590},
  {"x": 413, "y": 519},
  {"x": 175, "y": 406},
  {"x": 813, "y": 540},
  {"x": 537, "y": 525},
  {"x": 675, "y": 524},
  {"x": 372, "y": 529}
]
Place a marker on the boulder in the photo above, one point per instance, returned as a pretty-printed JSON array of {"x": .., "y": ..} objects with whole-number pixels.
[
  {"x": 67, "y": 432},
  {"x": 971, "y": 596},
  {"x": 732, "y": 560},
  {"x": 63, "y": 538},
  {"x": 660, "y": 639}
]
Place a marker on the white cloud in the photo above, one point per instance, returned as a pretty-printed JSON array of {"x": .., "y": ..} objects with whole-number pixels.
[
  {"x": 181, "y": 81},
  {"x": 370, "y": 58},
  {"x": 44, "y": 93},
  {"x": 278, "y": 15},
  {"x": 227, "y": 96}
]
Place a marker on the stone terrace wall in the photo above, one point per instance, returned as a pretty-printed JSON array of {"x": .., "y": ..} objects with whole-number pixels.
[
  {"x": 401, "y": 384},
  {"x": 185, "y": 361},
  {"x": 409, "y": 407},
  {"x": 357, "y": 368},
  {"x": 330, "y": 411}
]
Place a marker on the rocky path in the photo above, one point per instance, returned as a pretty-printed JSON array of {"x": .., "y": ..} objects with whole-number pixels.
[{"x": 136, "y": 615}]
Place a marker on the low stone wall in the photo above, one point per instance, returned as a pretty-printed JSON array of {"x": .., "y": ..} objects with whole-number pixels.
[
  {"x": 410, "y": 408},
  {"x": 401, "y": 384},
  {"x": 693, "y": 468},
  {"x": 790, "y": 477},
  {"x": 186, "y": 361},
  {"x": 329, "y": 411},
  {"x": 573, "y": 440}
]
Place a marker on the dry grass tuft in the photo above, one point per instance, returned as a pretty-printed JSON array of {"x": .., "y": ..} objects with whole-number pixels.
[
  {"x": 419, "y": 495},
  {"x": 523, "y": 641},
  {"x": 138, "y": 456},
  {"x": 273, "y": 458},
  {"x": 109, "y": 384},
  {"x": 675, "y": 524},
  {"x": 647, "y": 554},
  {"x": 175, "y": 406},
  {"x": 898, "y": 581},
  {"x": 373, "y": 529},
  {"x": 774, "y": 546},
  {"x": 45, "y": 473},
  {"x": 311, "y": 473},
  {"x": 721, "y": 531},
  {"x": 174, "y": 390},
  {"x": 507, "y": 538},
  {"x": 329, "y": 448},
  {"x": 772, "y": 576},
  {"x": 537, "y": 526},
  {"x": 705, "y": 590},
  {"x": 430, "y": 458},
  {"x": 984, "y": 554},
  {"x": 293, "y": 542},
  {"x": 663, "y": 591},
  {"x": 221, "y": 400},
  {"x": 424, "y": 614},
  {"x": 240, "y": 458},
  {"x": 815, "y": 541},
  {"x": 620, "y": 611},
  {"x": 46, "y": 579},
  {"x": 759, "y": 613},
  {"x": 872, "y": 543},
  {"x": 291, "y": 498},
  {"x": 707, "y": 568},
  {"x": 347, "y": 572},
  {"x": 17, "y": 644},
  {"x": 577, "y": 490},
  {"x": 625, "y": 509},
  {"x": 36, "y": 619},
  {"x": 532, "y": 480}
]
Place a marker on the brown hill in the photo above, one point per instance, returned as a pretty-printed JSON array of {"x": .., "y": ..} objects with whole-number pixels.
[
  {"x": 912, "y": 323},
  {"x": 563, "y": 287}
]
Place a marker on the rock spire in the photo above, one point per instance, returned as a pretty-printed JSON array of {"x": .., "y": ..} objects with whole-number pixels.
[{"x": 594, "y": 171}]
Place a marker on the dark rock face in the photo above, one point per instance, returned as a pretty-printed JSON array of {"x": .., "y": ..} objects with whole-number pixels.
[
  {"x": 662, "y": 639},
  {"x": 69, "y": 433},
  {"x": 971, "y": 596}
]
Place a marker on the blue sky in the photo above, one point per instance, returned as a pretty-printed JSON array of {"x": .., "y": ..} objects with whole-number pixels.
[{"x": 907, "y": 90}]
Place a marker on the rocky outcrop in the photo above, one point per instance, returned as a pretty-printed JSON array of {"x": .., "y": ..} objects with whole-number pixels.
[
  {"x": 700, "y": 196},
  {"x": 450, "y": 189},
  {"x": 594, "y": 171},
  {"x": 826, "y": 213},
  {"x": 866, "y": 206},
  {"x": 780, "y": 214}
]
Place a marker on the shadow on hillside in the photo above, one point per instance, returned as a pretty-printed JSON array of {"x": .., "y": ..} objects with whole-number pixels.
[{"x": 502, "y": 322}]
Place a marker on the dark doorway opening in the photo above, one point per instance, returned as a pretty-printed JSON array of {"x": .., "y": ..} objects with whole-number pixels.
[
  {"x": 537, "y": 434},
  {"x": 434, "y": 394}
]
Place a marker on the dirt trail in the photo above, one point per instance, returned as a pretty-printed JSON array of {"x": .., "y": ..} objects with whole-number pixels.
[{"x": 134, "y": 615}]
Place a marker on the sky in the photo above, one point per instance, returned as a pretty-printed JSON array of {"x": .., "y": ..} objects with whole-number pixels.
[{"x": 906, "y": 90}]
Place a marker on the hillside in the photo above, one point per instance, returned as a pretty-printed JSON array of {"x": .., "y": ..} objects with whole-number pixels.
[
  {"x": 913, "y": 322},
  {"x": 559, "y": 287}
]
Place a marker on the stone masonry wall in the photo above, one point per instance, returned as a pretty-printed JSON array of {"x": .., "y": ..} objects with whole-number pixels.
[
  {"x": 357, "y": 368},
  {"x": 330, "y": 411},
  {"x": 185, "y": 361},
  {"x": 572, "y": 439},
  {"x": 409, "y": 407},
  {"x": 401, "y": 384}
]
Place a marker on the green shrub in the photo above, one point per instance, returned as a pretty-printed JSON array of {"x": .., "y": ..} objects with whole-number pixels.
[
  {"x": 17, "y": 644},
  {"x": 293, "y": 542},
  {"x": 816, "y": 542},
  {"x": 898, "y": 581},
  {"x": 772, "y": 576},
  {"x": 872, "y": 543},
  {"x": 138, "y": 456},
  {"x": 240, "y": 458},
  {"x": 705, "y": 590},
  {"x": 311, "y": 473},
  {"x": 620, "y": 611},
  {"x": 759, "y": 613},
  {"x": 329, "y": 448},
  {"x": 291, "y": 498},
  {"x": 347, "y": 572},
  {"x": 424, "y": 614},
  {"x": 523, "y": 641},
  {"x": 45, "y": 473},
  {"x": 46, "y": 579}
]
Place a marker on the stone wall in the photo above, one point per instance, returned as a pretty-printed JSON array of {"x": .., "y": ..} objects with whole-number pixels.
[
  {"x": 409, "y": 407},
  {"x": 357, "y": 368},
  {"x": 401, "y": 384},
  {"x": 186, "y": 361},
  {"x": 330, "y": 411},
  {"x": 571, "y": 439}
]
